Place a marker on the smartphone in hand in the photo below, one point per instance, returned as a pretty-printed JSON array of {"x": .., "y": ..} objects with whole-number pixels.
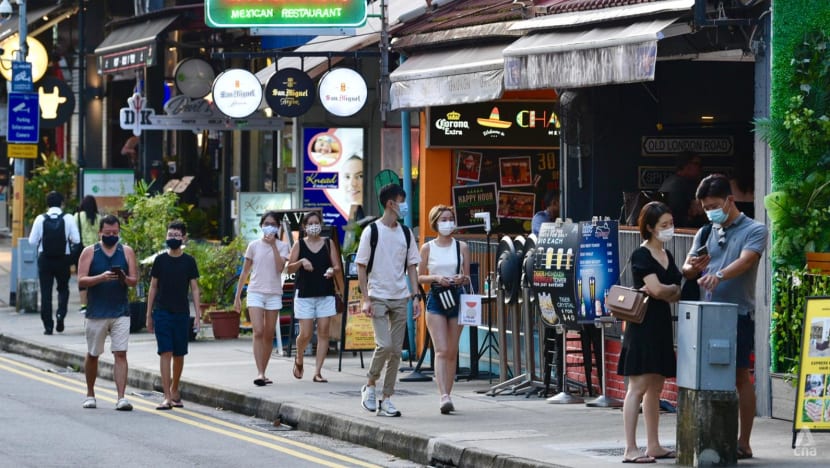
[{"x": 701, "y": 251}]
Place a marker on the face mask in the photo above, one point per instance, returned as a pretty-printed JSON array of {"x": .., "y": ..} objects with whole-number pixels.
[
  {"x": 403, "y": 210},
  {"x": 446, "y": 227},
  {"x": 716, "y": 216},
  {"x": 173, "y": 244},
  {"x": 268, "y": 230},
  {"x": 665, "y": 235},
  {"x": 109, "y": 241},
  {"x": 313, "y": 229}
]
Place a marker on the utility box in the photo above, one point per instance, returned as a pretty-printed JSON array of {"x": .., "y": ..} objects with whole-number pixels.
[
  {"x": 706, "y": 345},
  {"x": 26, "y": 260}
]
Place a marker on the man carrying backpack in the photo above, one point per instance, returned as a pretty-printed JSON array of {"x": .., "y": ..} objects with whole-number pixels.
[
  {"x": 386, "y": 293},
  {"x": 51, "y": 233}
]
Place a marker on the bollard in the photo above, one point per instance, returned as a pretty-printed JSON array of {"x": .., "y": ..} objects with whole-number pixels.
[
  {"x": 707, "y": 411},
  {"x": 27, "y": 296}
]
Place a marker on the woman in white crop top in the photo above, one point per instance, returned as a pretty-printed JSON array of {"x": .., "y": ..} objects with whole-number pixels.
[{"x": 441, "y": 265}]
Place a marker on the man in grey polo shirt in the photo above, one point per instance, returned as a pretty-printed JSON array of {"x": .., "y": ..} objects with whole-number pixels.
[{"x": 729, "y": 274}]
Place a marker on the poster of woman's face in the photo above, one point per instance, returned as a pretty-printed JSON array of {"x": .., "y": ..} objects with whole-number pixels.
[
  {"x": 468, "y": 166},
  {"x": 333, "y": 172}
]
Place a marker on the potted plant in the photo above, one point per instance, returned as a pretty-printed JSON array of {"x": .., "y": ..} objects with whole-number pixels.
[
  {"x": 55, "y": 174},
  {"x": 218, "y": 274},
  {"x": 144, "y": 229}
]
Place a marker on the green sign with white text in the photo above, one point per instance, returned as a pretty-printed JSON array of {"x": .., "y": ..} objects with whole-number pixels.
[{"x": 284, "y": 13}]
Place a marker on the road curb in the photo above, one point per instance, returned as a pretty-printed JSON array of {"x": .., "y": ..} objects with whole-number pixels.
[{"x": 409, "y": 445}]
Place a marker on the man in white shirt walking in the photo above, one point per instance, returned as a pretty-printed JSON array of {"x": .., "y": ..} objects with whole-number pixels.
[{"x": 382, "y": 271}]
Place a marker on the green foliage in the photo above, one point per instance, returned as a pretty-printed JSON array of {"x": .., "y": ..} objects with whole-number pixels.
[
  {"x": 55, "y": 174},
  {"x": 145, "y": 228},
  {"x": 218, "y": 264},
  {"x": 800, "y": 215},
  {"x": 793, "y": 287}
]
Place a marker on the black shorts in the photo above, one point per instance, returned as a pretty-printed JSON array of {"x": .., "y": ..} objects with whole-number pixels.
[{"x": 745, "y": 342}]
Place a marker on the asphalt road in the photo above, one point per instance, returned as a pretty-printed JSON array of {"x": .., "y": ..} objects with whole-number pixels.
[{"x": 42, "y": 424}]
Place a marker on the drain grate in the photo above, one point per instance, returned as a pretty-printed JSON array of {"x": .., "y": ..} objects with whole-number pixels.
[
  {"x": 616, "y": 451},
  {"x": 62, "y": 371},
  {"x": 270, "y": 427},
  {"x": 147, "y": 394},
  {"x": 356, "y": 393}
]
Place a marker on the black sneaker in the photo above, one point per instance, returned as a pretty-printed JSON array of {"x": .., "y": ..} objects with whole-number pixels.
[
  {"x": 47, "y": 332},
  {"x": 59, "y": 326}
]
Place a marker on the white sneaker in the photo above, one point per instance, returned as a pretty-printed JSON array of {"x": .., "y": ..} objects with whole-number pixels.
[
  {"x": 82, "y": 310},
  {"x": 90, "y": 403},
  {"x": 386, "y": 408},
  {"x": 446, "y": 405},
  {"x": 123, "y": 405},
  {"x": 368, "y": 399}
]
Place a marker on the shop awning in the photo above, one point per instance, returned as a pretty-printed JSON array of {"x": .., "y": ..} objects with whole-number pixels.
[
  {"x": 131, "y": 46},
  {"x": 585, "y": 57},
  {"x": 10, "y": 26},
  {"x": 473, "y": 74}
]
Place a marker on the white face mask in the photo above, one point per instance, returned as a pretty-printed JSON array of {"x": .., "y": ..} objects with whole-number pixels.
[
  {"x": 665, "y": 235},
  {"x": 268, "y": 230},
  {"x": 313, "y": 229},
  {"x": 446, "y": 227}
]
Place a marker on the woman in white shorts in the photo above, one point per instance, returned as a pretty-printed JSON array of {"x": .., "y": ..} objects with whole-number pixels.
[
  {"x": 316, "y": 261},
  {"x": 265, "y": 259}
]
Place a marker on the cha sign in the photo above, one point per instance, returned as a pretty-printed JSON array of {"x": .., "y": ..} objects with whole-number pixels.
[
  {"x": 500, "y": 124},
  {"x": 285, "y": 13}
]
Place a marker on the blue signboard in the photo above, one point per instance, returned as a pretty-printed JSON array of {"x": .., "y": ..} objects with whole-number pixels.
[
  {"x": 24, "y": 118},
  {"x": 21, "y": 77},
  {"x": 597, "y": 267}
]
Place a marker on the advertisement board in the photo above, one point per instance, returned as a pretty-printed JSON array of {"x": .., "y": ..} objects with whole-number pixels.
[
  {"x": 251, "y": 207},
  {"x": 598, "y": 267},
  {"x": 554, "y": 273},
  {"x": 357, "y": 328},
  {"x": 812, "y": 404}
]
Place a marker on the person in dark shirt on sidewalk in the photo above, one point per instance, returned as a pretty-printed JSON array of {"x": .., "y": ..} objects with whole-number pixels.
[
  {"x": 168, "y": 310},
  {"x": 106, "y": 269}
]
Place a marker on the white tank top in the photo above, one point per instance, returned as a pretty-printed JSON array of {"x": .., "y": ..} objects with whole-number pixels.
[{"x": 443, "y": 260}]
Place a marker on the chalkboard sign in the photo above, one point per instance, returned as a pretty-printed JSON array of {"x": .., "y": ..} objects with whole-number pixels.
[{"x": 554, "y": 273}]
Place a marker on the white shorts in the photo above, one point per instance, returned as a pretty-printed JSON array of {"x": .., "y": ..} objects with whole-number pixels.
[
  {"x": 97, "y": 330},
  {"x": 265, "y": 301},
  {"x": 314, "y": 307}
]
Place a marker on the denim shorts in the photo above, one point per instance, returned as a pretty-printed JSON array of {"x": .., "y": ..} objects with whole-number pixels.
[
  {"x": 434, "y": 307},
  {"x": 745, "y": 342},
  {"x": 314, "y": 307},
  {"x": 172, "y": 332},
  {"x": 264, "y": 301}
]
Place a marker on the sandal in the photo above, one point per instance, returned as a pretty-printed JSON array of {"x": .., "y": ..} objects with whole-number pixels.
[
  {"x": 298, "y": 370},
  {"x": 319, "y": 378},
  {"x": 176, "y": 404},
  {"x": 164, "y": 406}
]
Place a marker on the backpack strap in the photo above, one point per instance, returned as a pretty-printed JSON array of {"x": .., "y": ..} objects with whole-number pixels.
[
  {"x": 373, "y": 242},
  {"x": 457, "y": 256}
]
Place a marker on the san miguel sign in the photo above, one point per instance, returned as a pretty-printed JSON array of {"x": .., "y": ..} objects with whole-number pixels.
[
  {"x": 284, "y": 13},
  {"x": 499, "y": 124},
  {"x": 184, "y": 113}
]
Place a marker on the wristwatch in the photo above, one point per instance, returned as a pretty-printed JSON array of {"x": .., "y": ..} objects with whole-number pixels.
[{"x": 719, "y": 275}]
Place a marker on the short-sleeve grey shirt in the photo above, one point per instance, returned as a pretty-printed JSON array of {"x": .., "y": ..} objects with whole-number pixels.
[{"x": 725, "y": 246}]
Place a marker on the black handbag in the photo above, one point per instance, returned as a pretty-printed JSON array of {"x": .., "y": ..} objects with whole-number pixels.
[{"x": 690, "y": 291}]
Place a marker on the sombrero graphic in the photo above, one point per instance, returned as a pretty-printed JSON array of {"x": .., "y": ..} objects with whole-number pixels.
[{"x": 494, "y": 121}]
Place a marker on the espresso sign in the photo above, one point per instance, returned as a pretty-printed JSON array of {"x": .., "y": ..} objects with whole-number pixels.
[
  {"x": 290, "y": 92},
  {"x": 500, "y": 124},
  {"x": 237, "y": 93}
]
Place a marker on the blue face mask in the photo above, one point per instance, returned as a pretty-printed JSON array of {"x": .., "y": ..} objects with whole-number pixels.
[
  {"x": 403, "y": 210},
  {"x": 717, "y": 216}
]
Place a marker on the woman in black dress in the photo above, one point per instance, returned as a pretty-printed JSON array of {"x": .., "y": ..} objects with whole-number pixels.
[{"x": 647, "y": 356}]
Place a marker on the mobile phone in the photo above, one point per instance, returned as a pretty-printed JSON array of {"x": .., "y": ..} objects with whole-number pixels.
[
  {"x": 116, "y": 269},
  {"x": 701, "y": 251}
]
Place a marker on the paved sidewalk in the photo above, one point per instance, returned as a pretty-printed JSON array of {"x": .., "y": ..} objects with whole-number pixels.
[{"x": 483, "y": 432}]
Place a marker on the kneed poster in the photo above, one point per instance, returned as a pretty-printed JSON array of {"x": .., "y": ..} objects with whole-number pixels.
[
  {"x": 333, "y": 173},
  {"x": 597, "y": 267}
]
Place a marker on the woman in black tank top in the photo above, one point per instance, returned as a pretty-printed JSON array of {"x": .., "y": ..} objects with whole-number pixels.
[{"x": 317, "y": 263}]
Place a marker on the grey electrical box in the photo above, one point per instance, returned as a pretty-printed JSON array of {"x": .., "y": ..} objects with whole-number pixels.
[
  {"x": 26, "y": 260},
  {"x": 706, "y": 345}
]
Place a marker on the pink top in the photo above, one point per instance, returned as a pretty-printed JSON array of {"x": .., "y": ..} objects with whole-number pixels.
[{"x": 265, "y": 279}]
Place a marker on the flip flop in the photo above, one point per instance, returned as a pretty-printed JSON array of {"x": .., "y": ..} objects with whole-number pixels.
[
  {"x": 177, "y": 404},
  {"x": 164, "y": 406},
  {"x": 267, "y": 381},
  {"x": 640, "y": 459},
  {"x": 298, "y": 370},
  {"x": 259, "y": 382},
  {"x": 319, "y": 378},
  {"x": 743, "y": 454},
  {"x": 666, "y": 456}
]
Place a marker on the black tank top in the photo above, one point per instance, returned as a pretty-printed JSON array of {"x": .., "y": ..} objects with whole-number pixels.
[{"x": 313, "y": 283}]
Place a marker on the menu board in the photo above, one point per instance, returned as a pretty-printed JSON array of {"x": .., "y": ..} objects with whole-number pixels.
[
  {"x": 554, "y": 272},
  {"x": 471, "y": 199},
  {"x": 812, "y": 405},
  {"x": 358, "y": 333},
  {"x": 597, "y": 267}
]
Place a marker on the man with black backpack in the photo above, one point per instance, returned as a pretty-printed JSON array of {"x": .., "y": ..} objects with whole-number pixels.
[
  {"x": 386, "y": 255},
  {"x": 52, "y": 233}
]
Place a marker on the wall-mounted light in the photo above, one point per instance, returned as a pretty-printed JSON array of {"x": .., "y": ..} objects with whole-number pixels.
[
  {"x": 707, "y": 118},
  {"x": 94, "y": 92}
]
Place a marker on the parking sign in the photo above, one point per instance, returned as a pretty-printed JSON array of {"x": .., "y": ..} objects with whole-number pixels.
[{"x": 24, "y": 118}]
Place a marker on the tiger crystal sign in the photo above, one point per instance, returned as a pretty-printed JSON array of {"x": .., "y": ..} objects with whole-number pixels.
[{"x": 284, "y": 13}]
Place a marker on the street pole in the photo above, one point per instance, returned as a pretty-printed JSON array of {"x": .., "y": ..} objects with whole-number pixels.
[{"x": 20, "y": 163}]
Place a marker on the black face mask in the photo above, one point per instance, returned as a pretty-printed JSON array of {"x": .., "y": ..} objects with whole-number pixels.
[
  {"x": 109, "y": 241},
  {"x": 173, "y": 244}
]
